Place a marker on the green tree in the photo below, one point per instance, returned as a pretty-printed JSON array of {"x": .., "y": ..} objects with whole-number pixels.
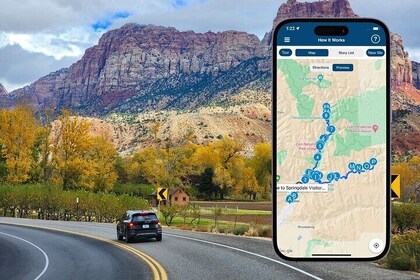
[{"x": 205, "y": 187}]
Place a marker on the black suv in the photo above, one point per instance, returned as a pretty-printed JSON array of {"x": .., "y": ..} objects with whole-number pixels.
[{"x": 139, "y": 224}]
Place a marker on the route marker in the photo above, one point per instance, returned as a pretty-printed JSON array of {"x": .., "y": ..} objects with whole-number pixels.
[
  {"x": 319, "y": 145},
  {"x": 317, "y": 157},
  {"x": 373, "y": 161},
  {"x": 331, "y": 128},
  {"x": 375, "y": 128},
  {"x": 308, "y": 172},
  {"x": 330, "y": 176},
  {"x": 326, "y": 105},
  {"x": 395, "y": 186},
  {"x": 324, "y": 137},
  {"x": 352, "y": 166},
  {"x": 359, "y": 167},
  {"x": 162, "y": 194},
  {"x": 289, "y": 199},
  {"x": 337, "y": 176},
  {"x": 294, "y": 195},
  {"x": 305, "y": 179},
  {"x": 366, "y": 165},
  {"x": 326, "y": 115}
]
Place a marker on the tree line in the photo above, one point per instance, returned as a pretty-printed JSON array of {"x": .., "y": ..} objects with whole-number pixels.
[
  {"x": 52, "y": 203},
  {"x": 60, "y": 151}
]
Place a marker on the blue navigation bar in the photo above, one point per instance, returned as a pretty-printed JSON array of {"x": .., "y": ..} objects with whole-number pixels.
[
  {"x": 311, "y": 52},
  {"x": 343, "y": 67},
  {"x": 375, "y": 52},
  {"x": 301, "y": 33}
]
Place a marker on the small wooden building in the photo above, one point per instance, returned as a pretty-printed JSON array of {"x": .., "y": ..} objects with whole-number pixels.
[{"x": 177, "y": 196}]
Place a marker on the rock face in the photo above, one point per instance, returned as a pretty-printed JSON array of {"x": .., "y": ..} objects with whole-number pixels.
[
  {"x": 3, "y": 90},
  {"x": 416, "y": 74},
  {"x": 400, "y": 62},
  {"x": 154, "y": 64}
]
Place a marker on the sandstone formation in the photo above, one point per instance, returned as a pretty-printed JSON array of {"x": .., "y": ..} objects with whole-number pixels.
[
  {"x": 416, "y": 74},
  {"x": 400, "y": 62},
  {"x": 152, "y": 63}
]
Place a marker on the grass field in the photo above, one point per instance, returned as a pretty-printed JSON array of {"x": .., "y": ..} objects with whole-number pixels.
[{"x": 246, "y": 205}]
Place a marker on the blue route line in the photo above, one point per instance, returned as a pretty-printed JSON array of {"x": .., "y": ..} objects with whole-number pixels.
[{"x": 316, "y": 175}]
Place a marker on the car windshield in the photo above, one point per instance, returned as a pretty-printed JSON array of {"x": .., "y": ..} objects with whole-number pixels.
[{"x": 142, "y": 218}]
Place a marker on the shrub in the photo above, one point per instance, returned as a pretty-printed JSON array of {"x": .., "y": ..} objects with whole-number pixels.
[
  {"x": 405, "y": 252},
  {"x": 240, "y": 230},
  {"x": 169, "y": 212},
  {"x": 405, "y": 216},
  {"x": 217, "y": 212},
  {"x": 265, "y": 231},
  {"x": 141, "y": 190},
  {"x": 252, "y": 231}
]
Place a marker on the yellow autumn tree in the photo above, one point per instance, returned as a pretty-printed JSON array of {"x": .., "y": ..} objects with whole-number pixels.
[
  {"x": 224, "y": 158},
  {"x": 79, "y": 159},
  {"x": 17, "y": 137},
  {"x": 261, "y": 163},
  {"x": 248, "y": 184},
  {"x": 162, "y": 166},
  {"x": 70, "y": 146},
  {"x": 103, "y": 158}
]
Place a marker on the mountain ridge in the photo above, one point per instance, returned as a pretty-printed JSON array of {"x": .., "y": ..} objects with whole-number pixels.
[{"x": 141, "y": 69}]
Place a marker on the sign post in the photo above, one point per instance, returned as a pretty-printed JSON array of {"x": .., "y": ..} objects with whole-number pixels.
[
  {"x": 77, "y": 208},
  {"x": 161, "y": 194}
]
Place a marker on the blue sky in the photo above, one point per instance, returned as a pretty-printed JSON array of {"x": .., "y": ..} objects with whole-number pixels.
[
  {"x": 105, "y": 23},
  {"x": 55, "y": 33}
]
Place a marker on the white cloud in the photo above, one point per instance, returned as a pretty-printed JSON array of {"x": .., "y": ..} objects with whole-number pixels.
[
  {"x": 10, "y": 86},
  {"x": 62, "y": 29},
  {"x": 69, "y": 43}
]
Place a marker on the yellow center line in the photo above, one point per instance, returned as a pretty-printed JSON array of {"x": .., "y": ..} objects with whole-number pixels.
[{"x": 159, "y": 272}]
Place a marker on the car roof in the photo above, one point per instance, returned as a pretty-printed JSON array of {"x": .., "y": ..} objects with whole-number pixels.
[{"x": 140, "y": 211}]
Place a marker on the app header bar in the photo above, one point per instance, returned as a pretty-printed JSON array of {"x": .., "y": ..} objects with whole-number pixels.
[{"x": 359, "y": 34}]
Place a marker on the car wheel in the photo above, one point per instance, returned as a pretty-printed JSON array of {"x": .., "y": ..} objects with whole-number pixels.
[
  {"x": 159, "y": 238},
  {"x": 127, "y": 239},
  {"x": 119, "y": 236}
]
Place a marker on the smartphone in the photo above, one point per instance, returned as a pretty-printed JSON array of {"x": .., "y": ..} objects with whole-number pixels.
[{"x": 331, "y": 139}]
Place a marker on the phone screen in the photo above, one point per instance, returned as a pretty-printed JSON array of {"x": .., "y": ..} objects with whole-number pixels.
[{"x": 331, "y": 119}]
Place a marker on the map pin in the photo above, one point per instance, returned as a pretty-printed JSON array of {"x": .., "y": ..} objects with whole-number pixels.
[
  {"x": 375, "y": 128},
  {"x": 320, "y": 77},
  {"x": 278, "y": 178}
]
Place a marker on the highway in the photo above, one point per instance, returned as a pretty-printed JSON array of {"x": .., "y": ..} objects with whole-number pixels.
[
  {"x": 180, "y": 255},
  {"x": 29, "y": 253}
]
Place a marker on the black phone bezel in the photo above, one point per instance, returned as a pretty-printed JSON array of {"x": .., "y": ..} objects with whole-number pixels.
[{"x": 388, "y": 138}]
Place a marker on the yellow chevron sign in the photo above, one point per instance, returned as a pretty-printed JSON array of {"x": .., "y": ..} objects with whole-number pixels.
[
  {"x": 395, "y": 186},
  {"x": 162, "y": 194}
]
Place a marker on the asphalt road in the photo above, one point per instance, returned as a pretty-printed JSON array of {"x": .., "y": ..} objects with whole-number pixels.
[
  {"x": 28, "y": 253},
  {"x": 193, "y": 255}
]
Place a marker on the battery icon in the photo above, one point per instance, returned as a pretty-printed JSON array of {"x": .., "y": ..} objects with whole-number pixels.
[{"x": 376, "y": 28}]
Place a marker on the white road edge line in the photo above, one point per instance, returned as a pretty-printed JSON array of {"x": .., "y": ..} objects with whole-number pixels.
[
  {"x": 47, "y": 260},
  {"x": 246, "y": 252}
]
